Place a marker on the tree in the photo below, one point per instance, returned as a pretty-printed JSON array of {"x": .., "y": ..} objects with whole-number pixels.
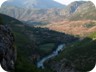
[{"x": 1, "y": 20}]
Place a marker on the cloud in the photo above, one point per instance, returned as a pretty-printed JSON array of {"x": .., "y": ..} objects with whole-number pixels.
[{"x": 66, "y": 2}]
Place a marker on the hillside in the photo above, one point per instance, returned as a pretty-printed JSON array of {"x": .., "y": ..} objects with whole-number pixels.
[
  {"x": 80, "y": 19},
  {"x": 85, "y": 11},
  {"x": 27, "y": 47},
  {"x": 79, "y": 56},
  {"x": 31, "y": 16},
  {"x": 72, "y": 8},
  {"x": 21, "y": 39},
  {"x": 30, "y": 41},
  {"x": 40, "y": 4},
  {"x": 78, "y": 28},
  {"x": 75, "y": 11}
]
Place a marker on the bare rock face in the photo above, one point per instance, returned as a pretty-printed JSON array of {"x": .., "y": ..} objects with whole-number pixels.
[{"x": 7, "y": 49}]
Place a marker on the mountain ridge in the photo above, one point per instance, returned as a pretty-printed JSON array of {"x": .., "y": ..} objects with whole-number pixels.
[
  {"x": 75, "y": 11},
  {"x": 40, "y": 4}
]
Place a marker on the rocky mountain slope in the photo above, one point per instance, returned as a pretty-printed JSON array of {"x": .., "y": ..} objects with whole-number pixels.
[
  {"x": 75, "y": 11},
  {"x": 40, "y": 4},
  {"x": 85, "y": 11},
  {"x": 7, "y": 48}
]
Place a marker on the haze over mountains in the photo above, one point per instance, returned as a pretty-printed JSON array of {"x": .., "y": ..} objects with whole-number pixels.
[
  {"x": 46, "y": 11},
  {"x": 33, "y": 4}
]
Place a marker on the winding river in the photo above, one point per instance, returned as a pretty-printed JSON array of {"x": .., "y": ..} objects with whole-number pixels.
[{"x": 40, "y": 63}]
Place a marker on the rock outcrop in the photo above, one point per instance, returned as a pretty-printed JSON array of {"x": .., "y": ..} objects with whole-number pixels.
[{"x": 7, "y": 49}]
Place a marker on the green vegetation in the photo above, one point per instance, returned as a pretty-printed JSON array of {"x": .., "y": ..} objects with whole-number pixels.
[
  {"x": 82, "y": 53},
  {"x": 23, "y": 65},
  {"x": 33, "y": 43},
  {"x": 30, "y": 41},
  {"x": 89, "y": 25},
  {"x": 1, "y": 22},
  {"x": 93, "y": 35},
  {"x": 22, "y": 41},
  {"x": 46, "y": 48}
]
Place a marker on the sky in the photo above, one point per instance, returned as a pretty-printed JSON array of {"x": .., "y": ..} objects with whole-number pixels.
[{"x": 66, "y": 2}]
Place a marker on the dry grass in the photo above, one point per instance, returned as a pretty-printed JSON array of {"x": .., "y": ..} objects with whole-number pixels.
[{"x": 72, "y": 27}]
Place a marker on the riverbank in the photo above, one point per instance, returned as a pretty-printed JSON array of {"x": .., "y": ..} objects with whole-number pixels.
[{"x": 40, "y": 63}]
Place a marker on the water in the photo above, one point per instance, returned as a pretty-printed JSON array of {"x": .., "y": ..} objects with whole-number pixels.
[{"x": 40, "y": 63}]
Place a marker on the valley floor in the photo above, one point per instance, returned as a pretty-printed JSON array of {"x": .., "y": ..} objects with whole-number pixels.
[{"x": 79, "y": 27}]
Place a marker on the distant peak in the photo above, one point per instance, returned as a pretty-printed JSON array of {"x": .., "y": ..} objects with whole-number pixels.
[{"x": 34, "y": 3}]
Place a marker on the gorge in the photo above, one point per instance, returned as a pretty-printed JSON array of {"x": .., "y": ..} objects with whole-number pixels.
[{"x": 40, "y": 63}]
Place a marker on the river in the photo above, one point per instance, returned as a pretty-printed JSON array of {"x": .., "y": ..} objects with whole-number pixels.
[{"x": 40, "y": 63}]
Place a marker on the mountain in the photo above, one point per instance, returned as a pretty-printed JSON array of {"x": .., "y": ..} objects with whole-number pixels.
[
  {"x": 85, "y": 11},
  {"x": 72, "y": 7},
  {"x": 75, "y": 11},
  {"x": 40, "y": 4},
  {"x": 31, "y": 15},
  {"x": 33, "y": 43}
]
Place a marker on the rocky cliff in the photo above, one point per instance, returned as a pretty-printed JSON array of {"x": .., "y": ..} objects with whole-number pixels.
[
  {"x": 78, "y": 10},
  {"x": 7, "y": 49}
]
